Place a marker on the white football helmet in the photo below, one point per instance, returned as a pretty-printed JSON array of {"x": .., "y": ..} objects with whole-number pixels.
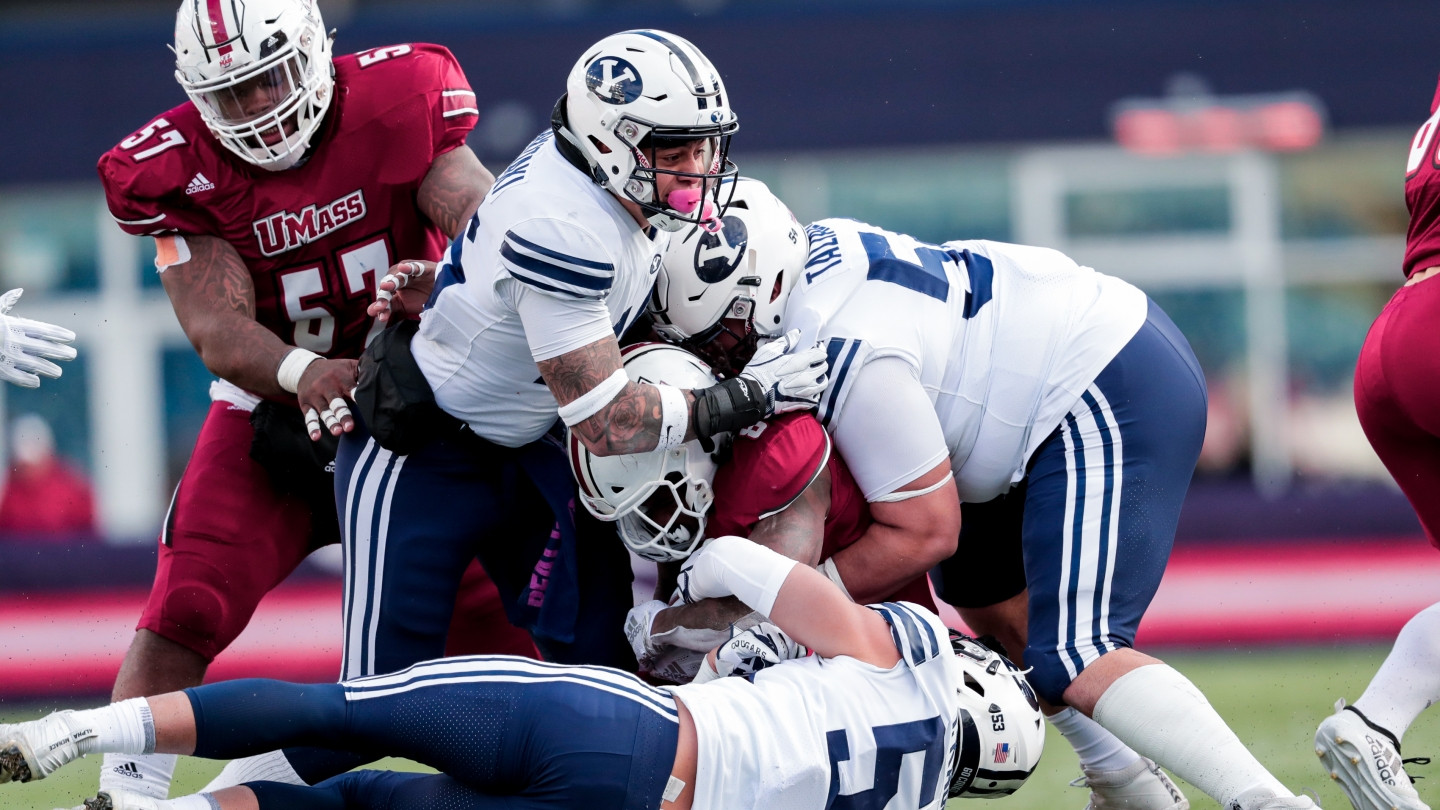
[
  {"x": 744, "y": 271},
  {"x": 660, "y": 499},
  {"x": 639, "y": 90},
  {"x": 259, "y": 72},
  {"x": 1001, "y": 733}
]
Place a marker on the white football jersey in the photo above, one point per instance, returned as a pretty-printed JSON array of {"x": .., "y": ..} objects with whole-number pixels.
[
  {"x": 822, "y": 727},
  {"x": 1004, "y": 338},
  {"x": 545, "y": 229}
]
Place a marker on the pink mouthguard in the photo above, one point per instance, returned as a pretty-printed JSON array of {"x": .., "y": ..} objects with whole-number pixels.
[{"x": 686, "y": 200}]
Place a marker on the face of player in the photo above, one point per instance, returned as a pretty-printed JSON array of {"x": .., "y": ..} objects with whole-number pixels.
[
  {"x": 257, "y": 97},
  {"x": 661, "y": 507},
  {"x": 683, "y": 166},
  {"x": 726, "y": 347}
]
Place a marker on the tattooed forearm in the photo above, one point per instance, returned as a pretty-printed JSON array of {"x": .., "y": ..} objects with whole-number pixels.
[
  {"x": 453, "y": 189},
  {"x": 214, "y": 300},
  {"x": 629, "y": 423}
]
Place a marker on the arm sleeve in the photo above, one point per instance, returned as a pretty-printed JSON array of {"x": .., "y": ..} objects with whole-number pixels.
[
  {"x": 553, "y": 325},
  {"x": 888, "y": 432},
  {"x": 146, "y": 197},
  {"x": 918, "y": 633},
  {"x": 455, "y": 107}
]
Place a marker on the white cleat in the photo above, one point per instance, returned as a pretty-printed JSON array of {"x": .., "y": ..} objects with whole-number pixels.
[
  {"x": 119, "y": 800},
  {"x": 1365, "y": 762},
  {"x": 33, "y": 750},
  {"x": 1141, "y": 786},
  {"x": 1260, "y": 798}
]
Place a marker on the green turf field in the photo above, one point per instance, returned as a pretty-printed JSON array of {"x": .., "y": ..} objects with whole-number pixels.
[{"x": 1273, "y": 700}]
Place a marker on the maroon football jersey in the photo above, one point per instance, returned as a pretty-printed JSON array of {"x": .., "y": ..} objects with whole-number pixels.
[
  {"x": 316, "y": 237},
  {"x": 1422, "y": 194},
  {"x": 771, "y": 464}
]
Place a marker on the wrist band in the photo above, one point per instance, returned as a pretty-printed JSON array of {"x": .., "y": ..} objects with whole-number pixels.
[
  {"x": 674, "y": 417},
  {"x": 589, "y": 403},
  {"x": 294, "y": 365},
  {"x": 727, "y": 406}
]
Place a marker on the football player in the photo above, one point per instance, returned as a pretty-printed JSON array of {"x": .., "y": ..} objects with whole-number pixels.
[
  {"x": 963, "y": 370},
  {"x": 891, "y": 710},
  {"x": 778, "y": 484},
  {"x": 519, "y": 339},
  {"x": 276, "y": 196},
  {"x": 28, "y": 346},
  {"x": 1395, "y": 377}
]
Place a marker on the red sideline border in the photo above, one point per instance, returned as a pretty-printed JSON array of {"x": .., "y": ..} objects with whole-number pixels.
[{"x": 1233, "y": 594}]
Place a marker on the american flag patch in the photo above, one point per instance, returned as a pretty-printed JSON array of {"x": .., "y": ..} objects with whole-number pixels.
[{"x": 1002, "y": 752}]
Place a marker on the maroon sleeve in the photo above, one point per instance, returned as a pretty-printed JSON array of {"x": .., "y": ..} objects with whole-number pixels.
[
  {"x": 453, "y": 107},
  {"x": 772, "y": 463},
  {"x": 146, "y": 174}
]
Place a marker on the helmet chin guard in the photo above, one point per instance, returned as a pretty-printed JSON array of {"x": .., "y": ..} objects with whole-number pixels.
[
  {"x": 658, "y": 500},
  {"x": 638, "y": 91}
]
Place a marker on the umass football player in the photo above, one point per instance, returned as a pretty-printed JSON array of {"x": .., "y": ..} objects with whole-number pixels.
[
  {"x": 276, "y": 196},
  {"x": 1059, "y": 400},
  {"x": 1396, "y": 382},
  {"x": 890, "y": 710}
]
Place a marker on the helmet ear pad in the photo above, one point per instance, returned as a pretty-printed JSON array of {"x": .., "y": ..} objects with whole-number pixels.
[
  {"x": 658, "y": 500},
  {"x": 634, "y": 92}
]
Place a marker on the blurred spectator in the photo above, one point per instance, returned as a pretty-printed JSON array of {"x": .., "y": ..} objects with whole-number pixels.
[{"x": 44, "y": 498}]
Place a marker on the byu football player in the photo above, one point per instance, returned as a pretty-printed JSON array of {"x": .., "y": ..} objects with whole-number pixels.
[{"x": 1011, "y": 378}]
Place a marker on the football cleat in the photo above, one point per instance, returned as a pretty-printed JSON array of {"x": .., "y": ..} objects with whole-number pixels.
[
  {"x": 1365, "y": 761},
  {"x": 1140, "y": 786},
  {"x": 119, "y": 800},
  {"x": 33, "y": 750}
]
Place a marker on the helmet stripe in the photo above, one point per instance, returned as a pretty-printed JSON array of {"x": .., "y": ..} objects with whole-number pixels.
[
  {"x": 218, "y": 27},
  {"x": 684, "y": 58}
]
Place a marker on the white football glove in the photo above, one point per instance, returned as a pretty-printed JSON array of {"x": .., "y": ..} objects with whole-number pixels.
[
  {"x": 750, "y": 651},
  {"x": 27, "y": 347},
  {"x": 792, "y": 380}
]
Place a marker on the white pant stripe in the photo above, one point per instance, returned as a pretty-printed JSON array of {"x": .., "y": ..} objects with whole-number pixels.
[
  {"x": 1090, "y": 551},
  {"x": 508, "y": 669},
  {"x": 364, "y": 613}
]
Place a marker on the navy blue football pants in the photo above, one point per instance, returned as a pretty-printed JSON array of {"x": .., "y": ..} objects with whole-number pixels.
[
  {"x": 504, "y": 732},
  {"x": 1089, "y": 530}
]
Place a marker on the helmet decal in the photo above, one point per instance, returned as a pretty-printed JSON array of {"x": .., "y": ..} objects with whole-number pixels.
[
  {"x": 614, "y": 80},
  {"x": 717, "y": 255}
]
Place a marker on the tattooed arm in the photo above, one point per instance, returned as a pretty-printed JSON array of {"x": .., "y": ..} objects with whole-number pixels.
[
  {"x": 629, "y": 423},
  {"x": 453, "y": 189},
  {"x": 214, "y": 299}
]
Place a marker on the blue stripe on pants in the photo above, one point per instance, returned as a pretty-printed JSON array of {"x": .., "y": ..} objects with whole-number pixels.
[{"x": 1103, "y": 496}]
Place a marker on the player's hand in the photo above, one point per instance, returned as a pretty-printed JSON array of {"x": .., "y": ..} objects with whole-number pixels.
[
  {"x": 750, "y": 651},
  {"x": 637, "y": 630},
  {"x": 791, "y": 379},
  {"x": 27, "y": 347},
  {"x": 403, "y": 291},
  {"x": 325, "y": 394}
]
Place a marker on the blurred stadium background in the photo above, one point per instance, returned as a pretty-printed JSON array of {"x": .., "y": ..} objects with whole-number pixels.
[{"x": 1240, "y": 160}]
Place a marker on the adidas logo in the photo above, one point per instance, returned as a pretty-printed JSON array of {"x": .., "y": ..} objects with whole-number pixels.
[
  {"x": 129, "y": 770},
  {"x": 199, "y": 183}
]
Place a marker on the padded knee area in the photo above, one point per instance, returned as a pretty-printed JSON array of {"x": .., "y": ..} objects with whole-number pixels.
[{"x": 195, "y": 617}]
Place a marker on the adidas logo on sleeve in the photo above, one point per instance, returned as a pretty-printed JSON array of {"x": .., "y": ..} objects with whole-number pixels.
[{"x": 199, "y": 183}]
